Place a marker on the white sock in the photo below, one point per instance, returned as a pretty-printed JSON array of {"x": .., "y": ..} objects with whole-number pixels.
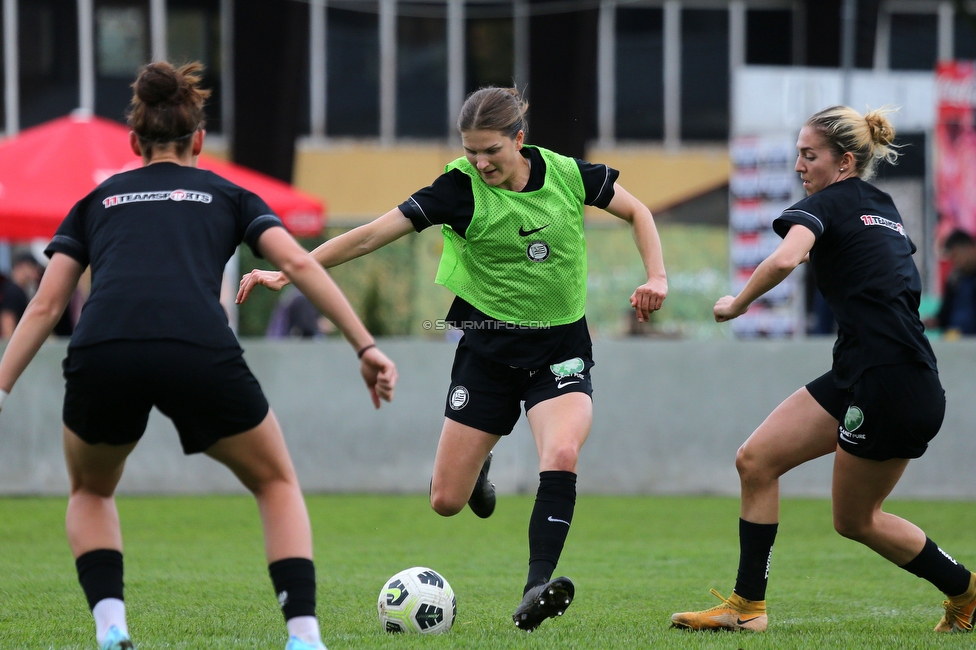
[
  {"x": 108, "y": 612},
  {"x": 305, "y": 628}
]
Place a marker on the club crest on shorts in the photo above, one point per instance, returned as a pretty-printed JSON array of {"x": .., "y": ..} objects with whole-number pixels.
[
  {"x": 853, "y": 419},
  {"x": 459, "y": 398},
  {"x": 573, "y": 366},
  {"x": 537, "y": 251}
]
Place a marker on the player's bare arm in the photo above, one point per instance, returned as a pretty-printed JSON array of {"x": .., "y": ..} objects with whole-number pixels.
[
  {"x": 792, "y": 251},
  {"x": 378, "y": 371},
  {"x": 347, "y": 246},
  {"x": 648, "y": 297}
]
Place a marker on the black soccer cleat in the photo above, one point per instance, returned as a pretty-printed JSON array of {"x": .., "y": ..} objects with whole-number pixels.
[
  {"x": 544, "y": 601},
  {"x": 482, "y": 501}
]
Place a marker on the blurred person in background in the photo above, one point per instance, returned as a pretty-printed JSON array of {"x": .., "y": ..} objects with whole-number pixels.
[
  {"x": 957, "y": 314},
  {"x": 153, "y": 333},
  {"x": 880, "y": 404},
  {"x": 13, "y": 302},
  {"x": 296, "y": 317},
  {"x": 26, "y": 272},
  {"x": 515, "y": 256}
]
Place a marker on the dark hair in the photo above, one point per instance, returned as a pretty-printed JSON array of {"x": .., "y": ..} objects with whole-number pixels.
[
  {"x": 167, "y": 105},
  {"x": 956, "y": 239},
  {"x": 494, "y": 109},
  {"x": 24, "y": 258},
  {"x": 869, "y": 137}
]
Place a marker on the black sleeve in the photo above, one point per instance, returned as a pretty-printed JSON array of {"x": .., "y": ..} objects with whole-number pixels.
[
  {"x": 252, "y": 214},
  {"x": 598, "y": 183},
  {"x": 810, "y": 212},
  {"x": 70, "y": 237},
  {"x": 448, "y": 199},
  {"x": 256, "y": 217}
]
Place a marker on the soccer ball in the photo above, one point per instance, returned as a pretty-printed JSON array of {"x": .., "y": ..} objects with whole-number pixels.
[{"x": 417, "y": 600}]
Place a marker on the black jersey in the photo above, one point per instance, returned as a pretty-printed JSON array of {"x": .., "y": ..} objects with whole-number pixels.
[
  {"x": 157, "y": 239},
  {"x": 862, "y": 264},
  {"x": 450, "y": 200}
]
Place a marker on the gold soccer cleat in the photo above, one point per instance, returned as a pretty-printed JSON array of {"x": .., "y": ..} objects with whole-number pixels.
[
  {"x": 735, "y": 613},
  {"x": 960, "y": 611}
]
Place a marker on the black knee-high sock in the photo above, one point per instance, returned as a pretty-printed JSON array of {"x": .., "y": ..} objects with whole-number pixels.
[
  {"x": 294, "y": 584},
  {"x": 755, "y": 552},
  {"x": 549, "y": 524},
  {"x": 100, "y": 575},
  {"x": 935, "y": 565}
]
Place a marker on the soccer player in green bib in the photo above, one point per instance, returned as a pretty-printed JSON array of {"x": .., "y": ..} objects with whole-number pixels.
[{"x": 515, "y": 257}]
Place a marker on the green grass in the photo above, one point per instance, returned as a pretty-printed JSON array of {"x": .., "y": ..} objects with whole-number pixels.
[{"x": 196, "y": 576}]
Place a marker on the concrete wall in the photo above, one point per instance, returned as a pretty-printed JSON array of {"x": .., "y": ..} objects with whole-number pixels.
[{"x": 669, "y": 416}]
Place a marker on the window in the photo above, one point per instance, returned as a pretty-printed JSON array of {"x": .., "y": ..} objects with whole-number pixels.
[
  {"x": 48, "y": 49},
  {"x": 490, "y": 56},
  {"x": 769, "y": 37},
  {"x": 704, "y": 74},
  {"x": 353, "y": 74},
  {"x": 914, "y": 41},
  {"x": 421, "y": 71},
  {"x": 965, "y": 36},
  {"x": 640, "y": 74},
  {"x": 193, "y": 34},
  {"x": 121, "y": 46}
]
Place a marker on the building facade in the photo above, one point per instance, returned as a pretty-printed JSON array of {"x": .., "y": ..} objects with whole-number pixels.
[{"x": 368, "y": 81}]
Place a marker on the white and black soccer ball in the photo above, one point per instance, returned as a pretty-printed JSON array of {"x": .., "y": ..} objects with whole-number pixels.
[{"x": 417, "y": 600}]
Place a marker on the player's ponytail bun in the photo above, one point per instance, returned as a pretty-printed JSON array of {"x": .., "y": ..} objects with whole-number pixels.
[
  {"x": 869, "y": 138},
  {"x": 167, "y": 105},
  {"x": 883, "y": 135},
  {"x": 881, "y": 130}
]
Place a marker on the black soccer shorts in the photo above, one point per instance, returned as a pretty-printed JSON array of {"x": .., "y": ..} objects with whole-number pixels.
[
  {"x": 891, "y": 411},
  {"x": 485, "y": 394},
  {"x": 208, "y": 394}
]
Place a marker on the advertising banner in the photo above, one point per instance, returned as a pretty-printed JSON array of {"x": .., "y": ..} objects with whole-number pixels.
[
  {"x": 762, "y": 185},
  {"x": 955, "y": 137}
]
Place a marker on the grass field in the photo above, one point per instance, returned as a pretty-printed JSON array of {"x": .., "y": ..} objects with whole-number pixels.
[{"x": 196, "y": 576}]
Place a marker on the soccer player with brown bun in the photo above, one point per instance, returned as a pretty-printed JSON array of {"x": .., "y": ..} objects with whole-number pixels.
[
  {"x": 881, "y": 402},
  {"x": 515, "y": 256},
  {"x": 153, "y": 333}
]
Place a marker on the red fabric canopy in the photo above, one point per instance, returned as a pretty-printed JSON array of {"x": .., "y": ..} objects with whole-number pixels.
[{"x": 46, "y": 169}]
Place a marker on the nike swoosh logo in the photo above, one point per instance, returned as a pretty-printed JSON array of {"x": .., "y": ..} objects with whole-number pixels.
[
  {"x": 566, "y": 383},
  {"x": 557, "y": 521},
  {"x": 739, "y": 621},
  {"x": 526, "y": 233}
]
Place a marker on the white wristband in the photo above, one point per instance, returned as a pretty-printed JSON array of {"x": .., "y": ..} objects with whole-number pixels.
[{"x": 3, "y": 396}]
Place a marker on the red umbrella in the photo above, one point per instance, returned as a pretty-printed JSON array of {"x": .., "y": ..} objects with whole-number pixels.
[{"x": 46, "y": 169}]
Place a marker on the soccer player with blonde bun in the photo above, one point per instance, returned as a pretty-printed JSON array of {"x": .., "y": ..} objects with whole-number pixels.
[{"x": 881, "y": 402}]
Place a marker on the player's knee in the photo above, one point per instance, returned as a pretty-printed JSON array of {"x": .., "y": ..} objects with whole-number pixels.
[
  {"x": 562, "y": 458},
  {"x": 271, "y": 482},
  {"x": 852, "y": 527},
  {"x": 93, "y": 489},
  {"x": 444, "y": 504},
  {"x": 747, "y": 464},
  {"x": 93, "y": 484}
]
